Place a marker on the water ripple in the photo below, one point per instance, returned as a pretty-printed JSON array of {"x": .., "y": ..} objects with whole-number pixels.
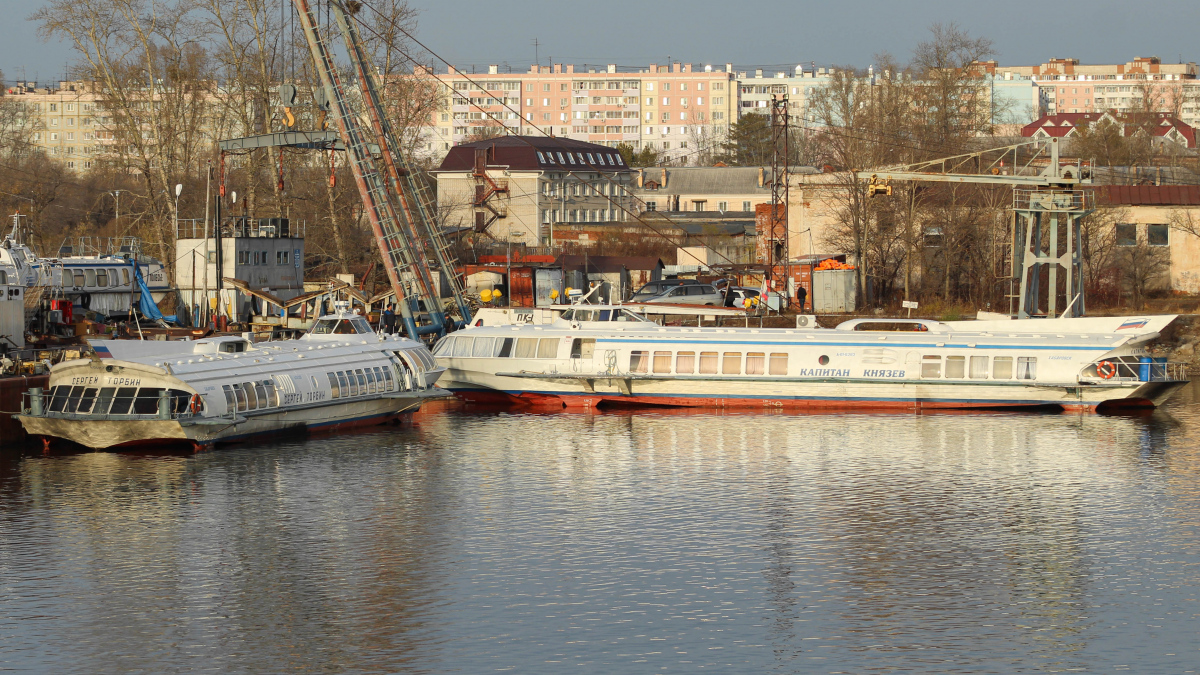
[{"x": 619, "y": 542}]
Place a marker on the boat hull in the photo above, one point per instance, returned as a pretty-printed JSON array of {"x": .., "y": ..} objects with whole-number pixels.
[
  {"x": 105, "y": 434},
  {"x": 798, "y": 394}
]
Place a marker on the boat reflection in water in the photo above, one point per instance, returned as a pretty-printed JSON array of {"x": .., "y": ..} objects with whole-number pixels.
[{"x": 628, "y": 540}]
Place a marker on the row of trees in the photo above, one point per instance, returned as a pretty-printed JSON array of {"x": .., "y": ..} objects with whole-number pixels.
[{"x": 173, "y": 77}]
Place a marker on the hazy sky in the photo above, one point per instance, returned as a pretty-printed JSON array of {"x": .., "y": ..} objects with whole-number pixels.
[{"x": 747, "y": 33}]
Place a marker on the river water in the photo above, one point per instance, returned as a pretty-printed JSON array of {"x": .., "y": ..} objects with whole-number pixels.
[{"x": 622, "y": 542}]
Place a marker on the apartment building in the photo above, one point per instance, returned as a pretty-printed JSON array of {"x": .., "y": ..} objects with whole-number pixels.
[
  {"x": 1143, "y": 84},
  {"x": 65, "y": 120},
  {"x": 671, "y": 109}
]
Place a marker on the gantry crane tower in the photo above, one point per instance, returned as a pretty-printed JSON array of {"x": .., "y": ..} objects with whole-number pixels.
[
  {"x": 410, "y": 241},
  {"x": 1048, "y": 206}
]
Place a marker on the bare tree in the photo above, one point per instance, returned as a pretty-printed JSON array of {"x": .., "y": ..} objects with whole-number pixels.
[{"x": 148, "y": 62}]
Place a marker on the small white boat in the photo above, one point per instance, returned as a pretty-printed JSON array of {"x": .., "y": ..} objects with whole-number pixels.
[
  {"x": 98, "y": 274},
  {"x": 596, "y": 355},
  {"x": 340, "y": 374}
]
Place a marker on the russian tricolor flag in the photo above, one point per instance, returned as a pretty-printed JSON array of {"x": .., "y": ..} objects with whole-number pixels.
[
  {"x": 102, "y": 352},
  {"x": 1133, "y": 323}
]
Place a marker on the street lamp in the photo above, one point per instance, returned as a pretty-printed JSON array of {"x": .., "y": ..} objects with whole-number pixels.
[{"x": 117, "y": 198}]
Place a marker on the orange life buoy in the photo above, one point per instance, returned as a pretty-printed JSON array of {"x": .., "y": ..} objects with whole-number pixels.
[
  {"x": 1106, "y": 369},
  {"x": 196, "y": 404}
]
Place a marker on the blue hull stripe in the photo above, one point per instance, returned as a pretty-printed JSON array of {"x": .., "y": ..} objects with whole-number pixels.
[{"x": 861, "y": 345}]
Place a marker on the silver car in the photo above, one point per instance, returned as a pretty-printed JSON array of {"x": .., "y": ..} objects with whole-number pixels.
[{"x": 691, "y": 294}]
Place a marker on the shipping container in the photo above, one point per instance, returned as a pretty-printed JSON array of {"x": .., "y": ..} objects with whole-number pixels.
[{"x": 835, "y": 291}]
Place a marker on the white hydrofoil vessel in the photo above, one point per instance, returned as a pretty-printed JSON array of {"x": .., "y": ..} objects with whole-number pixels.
[
  {"x": 340, "y": 374},
  {"x": 595, "y": 355}
]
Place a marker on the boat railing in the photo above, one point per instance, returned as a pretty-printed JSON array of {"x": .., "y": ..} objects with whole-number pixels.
[
  {"x": 1146, "y": 369},
  {"x": 41, "y": 403}
]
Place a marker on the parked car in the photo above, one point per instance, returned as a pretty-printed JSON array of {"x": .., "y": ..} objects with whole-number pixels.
[
  {"x": 740, "y": 294},
  {"x": 688, "y": 294},
  {"x": 655, "y": 288}
]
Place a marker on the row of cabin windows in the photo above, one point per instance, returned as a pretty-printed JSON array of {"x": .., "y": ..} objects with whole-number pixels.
[
  {"x": 112, "y": 400},
  {"x": 360, "y": 382},
  {"x": 959, "y": 367},
  {"x": 257, "y": 395},
  {"x": 97, "y": 278},
  {"x": 488, "y": 347},
  {"x": 709, "y": 363}
]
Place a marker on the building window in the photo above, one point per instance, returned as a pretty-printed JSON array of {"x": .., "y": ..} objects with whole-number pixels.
[
  {"x": 243, "y": 257},
  {"x": 1156, "y": 235},
  {"x": 1126, "y": 234},
  {"x": 283, "y": 257},
  {"x": 722, "y": 206},
  {"x": 651, "y": 206},
  {"x": 745, "y": 206}
]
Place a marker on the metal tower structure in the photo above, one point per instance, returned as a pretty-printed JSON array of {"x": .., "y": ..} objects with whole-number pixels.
[
  {"x": 1048, "y": 206},
  {"x": 416, "y": 202},
  {"x": 401, "y": 250},
  {"x": 777, "y": 249}
]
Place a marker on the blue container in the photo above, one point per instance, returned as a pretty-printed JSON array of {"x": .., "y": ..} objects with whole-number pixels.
[{"x": 1144, "y": 368}]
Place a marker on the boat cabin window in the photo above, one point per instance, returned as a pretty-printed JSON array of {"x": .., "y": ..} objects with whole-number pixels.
[
  {"x": 90, "y": 276},
  {"x": 956, "y": 366},
  {"x": 146, "y": 402},
  {"x": 124, "y": 277},
  {"x": 354, "y": 326},
  {"x": 1002, "y": 368},
  {"x": 370, "y": 380},
  {"x": 77, "y": 278},
  {"x": 362, "y": 382},
  {"x": 251, "y": 396},
  {"x": 233, "y": 347},
  {"x": 662, "y": 362},
  {"x": 335, "y": 391},
  {"x": 708, "y": 363},
  {"x": 3, "y": 277},
  {"x": 731, "y": 364},
  {"x": 504, "y": 347},
  {"x": 463, "y": 346},
  {"x": 112, "y": 277},
  {"x": 931, "y": 366},
  {"x": 108, "y": 401},
  {"x": 601, "y": 315},
  {"x": 756, "y": 363},
  {"x": 483, "y": 347},
  {"x": 526, "y": 348},
  {"x": 779, "y": 363},
  {"x": 102, "y": 278},
  {"x": 241, "y": 397},
  {"x": 344, "y": 387},
  {"x": 230, "y": 401},
  {"x": 1027, "y": 368},
  {"x": 685, "y": 363},
  {"x": 548, "y": 348},
  {"x": 123, "y": 401},
  {"x": 638, "y": 361},
  {"x": 979, "y": 367}
]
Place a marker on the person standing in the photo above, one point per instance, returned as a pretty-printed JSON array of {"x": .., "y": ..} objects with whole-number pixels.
[
  {"x": 801, "y": 295},
  {"x": 389, "y": 320}
]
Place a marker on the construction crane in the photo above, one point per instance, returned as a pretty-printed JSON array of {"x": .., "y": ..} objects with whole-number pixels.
[
  {"x": 417, "y": 203},
  {"x": 1046, "y": 203},
  {"x": 397, "y": 216}
]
